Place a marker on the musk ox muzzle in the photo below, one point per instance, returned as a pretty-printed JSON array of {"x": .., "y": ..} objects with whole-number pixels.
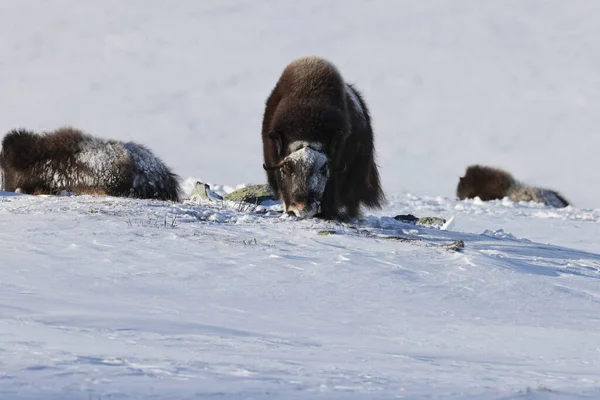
[{"x": 304, "y": 174}]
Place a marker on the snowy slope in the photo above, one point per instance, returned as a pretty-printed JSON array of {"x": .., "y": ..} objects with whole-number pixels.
[
  {"x": 108, "y": 298},
  {"x": 104, "y": 298},
  {"x": 513, "y": 83}
]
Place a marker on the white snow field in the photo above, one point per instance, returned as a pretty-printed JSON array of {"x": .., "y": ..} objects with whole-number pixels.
[{"x": 108, "y": 298}]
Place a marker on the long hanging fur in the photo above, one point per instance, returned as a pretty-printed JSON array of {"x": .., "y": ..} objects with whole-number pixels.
[
  {"x": 311, "y": 103},
  {"x": 489, "y": 183},
  {"x": 68, "y": 159}
]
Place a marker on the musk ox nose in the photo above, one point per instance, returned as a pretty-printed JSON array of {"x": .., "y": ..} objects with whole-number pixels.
[
  {"x": 303, "y": 210},
  {"x": 298, "y": 206}
]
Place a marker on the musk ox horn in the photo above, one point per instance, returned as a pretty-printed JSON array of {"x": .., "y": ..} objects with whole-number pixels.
[
  {"x": 276, "y": 137},
  {"x": 273, "y": 167}
]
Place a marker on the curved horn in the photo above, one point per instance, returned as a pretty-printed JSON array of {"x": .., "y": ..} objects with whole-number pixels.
[
  {"x": 276, "y": 137},
  {"x": 272, "y": 167}
]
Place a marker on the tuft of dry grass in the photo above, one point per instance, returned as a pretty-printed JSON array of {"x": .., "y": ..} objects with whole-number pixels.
[{"x": 539, "y": 388}]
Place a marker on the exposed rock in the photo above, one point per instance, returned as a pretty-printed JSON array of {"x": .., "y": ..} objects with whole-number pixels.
[
  {"x": 409, "y": 218},
  {"x": 202, "y": 192},
  {"x": 434, "y": 222},
  {"x": 326, "y": 232},
  {"x": 255, "y": 194},
  {"x": 459, "y": 245}
]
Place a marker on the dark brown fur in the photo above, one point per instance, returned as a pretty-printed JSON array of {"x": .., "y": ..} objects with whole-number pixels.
[
  {"x": 489, "y": 183},
  {"x": 484, "y": 182},
  {"x": 51, "y": 162},
  {"x": 310, "y": 103}
]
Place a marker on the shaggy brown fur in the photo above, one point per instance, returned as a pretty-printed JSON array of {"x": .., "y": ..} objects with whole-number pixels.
[
  {"x": 484, "y": 182},
  {"x": 312, "y": 103},
  {"x": 68, "y": 159},
  {"x": 489, "y": 183}
]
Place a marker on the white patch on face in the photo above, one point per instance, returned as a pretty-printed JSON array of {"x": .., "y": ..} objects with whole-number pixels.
[
  {"x": 311, "y": 160},
  {"x": 308, "y": 163},
  {"x": 300, "y": 144}
]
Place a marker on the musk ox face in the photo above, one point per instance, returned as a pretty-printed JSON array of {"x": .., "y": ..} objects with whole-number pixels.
[
  {"x": 462, "y": 190},
  {"x": 303, "y": 174}
]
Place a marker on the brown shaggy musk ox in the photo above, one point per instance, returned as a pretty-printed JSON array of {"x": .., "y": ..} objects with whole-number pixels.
[
  {"x": 318, "y": 143},
  {"x": 489, "y": 183},
  {"x": 68, "y": 159}
]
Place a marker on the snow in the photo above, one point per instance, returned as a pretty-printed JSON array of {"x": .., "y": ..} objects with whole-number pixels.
[
  {"x": 116, "y": 298},
  {"x": 123, "y": 298}
]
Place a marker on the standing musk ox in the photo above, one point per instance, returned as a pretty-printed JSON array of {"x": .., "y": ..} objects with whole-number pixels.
[
  {"x": 489, "y": 183},
  {"x": 68, "y": 159},
  {"x": 318, "y": 143}
]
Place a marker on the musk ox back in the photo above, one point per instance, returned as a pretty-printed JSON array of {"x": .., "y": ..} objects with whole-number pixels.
[
  {"x": 68, "y": 159},
  {"x": 489, "y": 183},
  {"x": 318, "y": 146}
]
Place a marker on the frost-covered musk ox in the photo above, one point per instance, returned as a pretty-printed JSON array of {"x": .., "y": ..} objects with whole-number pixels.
[
  {"x": 68, "y": 159},
  {"x": 489, "y": 183},
  {"x": 318, "y": 143}
]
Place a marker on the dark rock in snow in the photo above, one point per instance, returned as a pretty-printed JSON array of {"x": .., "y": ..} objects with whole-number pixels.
[
  {"x": 202, "y": 191},
  {"x": 255, "y": 194},
  {"x": 407, "y": 218},
  {"x": 434, "y": 222}
]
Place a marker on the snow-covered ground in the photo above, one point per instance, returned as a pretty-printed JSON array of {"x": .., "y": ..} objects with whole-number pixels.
[
  {"x": 119, "y": 298},
  {"x": 107, "y": 298}
]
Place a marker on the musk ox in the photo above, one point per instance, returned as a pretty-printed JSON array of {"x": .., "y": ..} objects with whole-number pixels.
[
  {"x": 489, "y": 183},
  {"x": 318, "y": 147},
  {"x": 68, "y": 159}
]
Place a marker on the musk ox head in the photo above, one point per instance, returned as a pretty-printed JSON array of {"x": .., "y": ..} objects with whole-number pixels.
[{"x": 303, "y": 173}]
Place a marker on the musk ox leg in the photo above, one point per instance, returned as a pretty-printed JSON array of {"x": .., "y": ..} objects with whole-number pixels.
[{"x": 334, "y": 207}]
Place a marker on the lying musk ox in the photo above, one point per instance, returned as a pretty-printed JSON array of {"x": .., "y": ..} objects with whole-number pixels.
[
  {"x": 489, "y": 183},
  {"x": 318, "y": 143},
  {"x": 68, "y": 159}
]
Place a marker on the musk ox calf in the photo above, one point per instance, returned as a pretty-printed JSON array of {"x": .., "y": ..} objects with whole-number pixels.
[
  {"x": 318, "y": 143},
  {"x": 68, "y": 159},
  {"x": 489, "y": 183}
]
